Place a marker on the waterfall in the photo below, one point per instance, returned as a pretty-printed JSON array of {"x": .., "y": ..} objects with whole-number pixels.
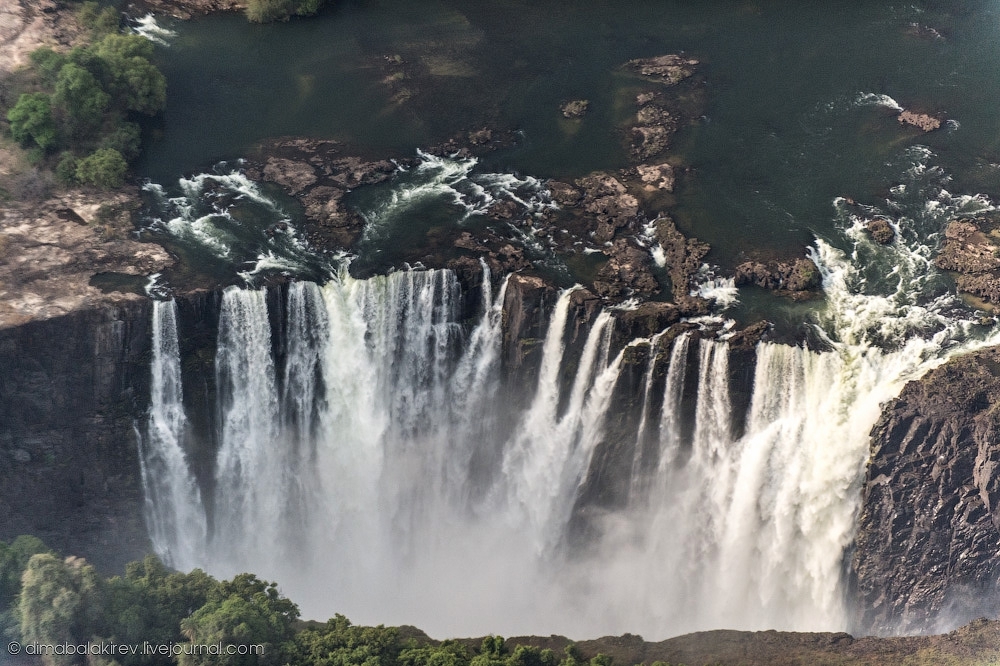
[
  {"x": 174, "y": 513},
  {"x": 369, "y": 460},
  {"x": 254, "y": 466}
]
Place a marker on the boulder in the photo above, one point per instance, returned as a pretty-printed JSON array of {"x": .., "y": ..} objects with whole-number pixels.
[
  {"x": 576, "y": 108},
  {"x": 881, "y": 231},
  {"x": 799, "y": 275}
]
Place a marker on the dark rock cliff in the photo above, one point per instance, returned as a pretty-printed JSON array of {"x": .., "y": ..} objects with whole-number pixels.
[
  {"x": 929, "y": 532},
  {"x": 71, "y": 388}
]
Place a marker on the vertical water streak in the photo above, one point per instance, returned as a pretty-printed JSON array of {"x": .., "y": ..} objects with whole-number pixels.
[
  {"x": 542, "y": 463},
  {"x": 252, "y": 465},
  {"x": 175, "y": 516},
  {"x": 638, "y": 476},
  {"x": 670, "y": 412}
]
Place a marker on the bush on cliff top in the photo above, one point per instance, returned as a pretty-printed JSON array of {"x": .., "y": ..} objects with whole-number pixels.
[
  {"x": 84, "y": 116},
  {"x": 265, "y": 11}
]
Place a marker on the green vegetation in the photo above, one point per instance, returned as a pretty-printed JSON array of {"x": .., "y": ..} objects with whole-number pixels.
[
  {"x": 265, "y": 11},
  {"x": 77, "y": 112},
  {"x": 50, "y": 600}
]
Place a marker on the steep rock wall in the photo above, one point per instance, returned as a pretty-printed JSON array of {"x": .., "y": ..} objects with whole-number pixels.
[
  {"x": 71, "y": 388},
  {"x": 929, "y": 533}
]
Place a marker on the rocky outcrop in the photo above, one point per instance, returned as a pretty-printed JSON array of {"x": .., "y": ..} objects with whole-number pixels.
[
  {"x": 668, "y": 69},
  {"x": 71, "y": 389},
  {"x": 319, "y": 175},
  {"x": 51, "y": 251},
  {"x": 797, "y": 278},
  {"x": 627, "y": 273},
  {"x": 683, "y": 256},
  {"x": 929, "y": 532},
  {"x": 26, "y": 25},
  {"x": 922, "y": 121},
  {"x": 185, "y": 9},
  {"x": 609, "y": 204},
  {"x": 881, "y": 231},
  {"x": 971, "y": 251},
  {"x": 576, "y": 108}
]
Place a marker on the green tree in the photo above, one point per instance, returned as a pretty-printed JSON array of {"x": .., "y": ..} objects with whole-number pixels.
[
  {"x": 526, "y": 655},
  {"x": 242, "y": 612},
  {"x": 81, "y": 97},
  {"x": 60, "y": 602},
  {"x": 31, "y": 120},
  {"x": 48, "y": 63},
  {"x": 490, "y": 652},
  {"x": 132, "y": 80},
  {"x": 449, "y": 653},
  {"x": 339, "y": 643},
  {"x": 98, "y": 21},
  {"x": 125, "y": 138},
  {"x": 105, "y": 167}
]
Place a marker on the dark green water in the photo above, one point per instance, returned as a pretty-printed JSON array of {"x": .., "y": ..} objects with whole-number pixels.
[{"x": 781, "y": 137}]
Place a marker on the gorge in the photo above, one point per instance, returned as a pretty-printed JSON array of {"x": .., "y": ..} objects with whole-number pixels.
[{"x": 653, "y": 390}]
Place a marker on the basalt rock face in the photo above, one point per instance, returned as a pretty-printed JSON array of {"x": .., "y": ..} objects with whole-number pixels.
[
  {"x": 929, "y": 532},
  {"x": 71, "y": 388}
]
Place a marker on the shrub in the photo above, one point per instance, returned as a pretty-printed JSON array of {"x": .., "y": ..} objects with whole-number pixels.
[
  {"x": 66, "y": 169},
  {"x": 124, "y": 138},
  {"x": 31, "y": 120},
  {"x": 105, "y": 167},
  {"x": 265, "y": 11}
]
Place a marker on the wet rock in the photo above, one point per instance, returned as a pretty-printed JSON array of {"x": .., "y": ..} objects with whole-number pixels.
[
  {"x": 668, "y": 69},
  {"x": 318, "y": 174},
  {"x": 971, "y": 250},
  {"x": 923, "y": 121},
  {"x": 880, "y": 230},
  {"x": 293, "y": 175},
  {"x": 649, "y": 141},
  {"x": 627, "y": 273},
  {"x": 782, "y": 276},
  {"x": 966, "y": 249},
  {"x": 926, "y": 549},
  {"x": 648, "y": 319},
  {"x": 481, "y": 137},
  {"x": 576, "y": 108},
  {"x": 608, "y": 201},
  {"x": 564, "y": 194},
  {"x": 746, "y": 339},
  {"x": 524, "y": 304},
  {"x": 683, "y": 258},
  {"x": 467, "y": 242},
  {"x": 658, "y": 176}
]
